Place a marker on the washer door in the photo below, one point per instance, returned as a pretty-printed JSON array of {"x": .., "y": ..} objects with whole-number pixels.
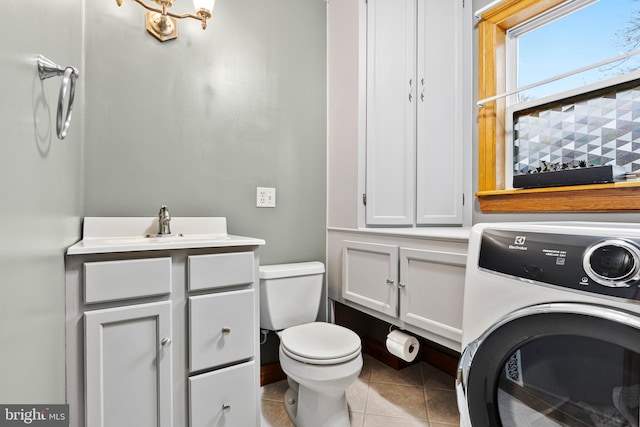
[{"x": 553, "y": 365}]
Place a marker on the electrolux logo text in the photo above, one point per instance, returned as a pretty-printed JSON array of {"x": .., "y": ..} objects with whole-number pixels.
[
  {"x": 34, "y": 415},
  {"x": 519, "y": 243}
]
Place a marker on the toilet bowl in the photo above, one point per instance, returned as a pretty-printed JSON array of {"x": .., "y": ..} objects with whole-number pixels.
[{"x": 321, "y": 359}]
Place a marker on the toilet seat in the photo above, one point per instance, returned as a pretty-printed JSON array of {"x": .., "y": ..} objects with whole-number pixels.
[{"x": 320, "y": 343}]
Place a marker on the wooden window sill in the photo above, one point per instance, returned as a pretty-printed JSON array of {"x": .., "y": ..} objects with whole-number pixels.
[{"x": 618, "y": 197}]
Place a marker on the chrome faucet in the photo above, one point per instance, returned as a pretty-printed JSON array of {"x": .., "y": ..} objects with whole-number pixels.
[{"x": 164, "y": 218}]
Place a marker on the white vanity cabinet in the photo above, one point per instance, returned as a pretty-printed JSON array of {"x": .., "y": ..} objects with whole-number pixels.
[
  {"x": 165, "y": 337},
  {"x": 416, "y": 284}
]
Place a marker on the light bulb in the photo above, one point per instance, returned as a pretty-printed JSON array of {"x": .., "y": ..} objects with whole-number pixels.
[{"x": 204, "y": 4}]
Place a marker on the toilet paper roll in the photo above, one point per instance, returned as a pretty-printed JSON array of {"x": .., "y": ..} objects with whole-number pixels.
[{"x": 402, "y": 345}]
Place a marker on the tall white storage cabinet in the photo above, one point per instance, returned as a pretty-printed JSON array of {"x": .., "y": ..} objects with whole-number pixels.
[
  {"x": 399, "y": 134},
  {"x": 414, "y": 96}
]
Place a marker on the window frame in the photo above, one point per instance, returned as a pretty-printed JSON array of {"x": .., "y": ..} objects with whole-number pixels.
[{"x": 492, "y": 80}]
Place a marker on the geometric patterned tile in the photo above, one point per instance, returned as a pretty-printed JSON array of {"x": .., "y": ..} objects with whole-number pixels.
[{"x": 600, "y": 130}]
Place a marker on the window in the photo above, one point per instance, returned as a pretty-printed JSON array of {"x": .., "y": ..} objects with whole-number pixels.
[
  {"x": 575, "y": 35},
  {"x": 510, "y": 37}
]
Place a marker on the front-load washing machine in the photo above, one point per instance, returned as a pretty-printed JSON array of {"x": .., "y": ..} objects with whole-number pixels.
[{"x": 551, "y": 326}]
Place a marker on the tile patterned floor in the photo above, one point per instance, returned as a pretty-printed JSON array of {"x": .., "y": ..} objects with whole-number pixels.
[{"x": 417, "y": 396}]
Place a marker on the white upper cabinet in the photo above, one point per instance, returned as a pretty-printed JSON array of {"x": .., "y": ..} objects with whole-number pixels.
[
  {"x": 440, "y": 113},
  {"x": 414, "y": 112},
  {"x": 391, "y": 111}
]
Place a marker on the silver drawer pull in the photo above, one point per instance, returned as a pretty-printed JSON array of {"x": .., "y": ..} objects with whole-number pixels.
[
  {"x": 390, "y": 282},
  {"x": 165, "y": 342},
  {"x": 401, "y": 285},
  {"x": 226, "y": 408},
  {"x": 226, "y": 331}
]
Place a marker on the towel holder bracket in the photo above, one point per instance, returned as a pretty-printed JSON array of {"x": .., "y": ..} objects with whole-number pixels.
[{"x": 46, "y": 69}]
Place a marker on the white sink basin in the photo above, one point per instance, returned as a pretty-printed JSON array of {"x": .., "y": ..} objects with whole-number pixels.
[
  {"x": 174, "y": 238},
  {"x": 123, "y": 234}
]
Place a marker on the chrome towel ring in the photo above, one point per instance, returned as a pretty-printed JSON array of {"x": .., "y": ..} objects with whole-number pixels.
[{"x": 48, "y": 68}]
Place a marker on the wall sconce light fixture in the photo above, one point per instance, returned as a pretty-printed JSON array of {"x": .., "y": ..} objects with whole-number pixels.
[{"x": 162, "y": 24}]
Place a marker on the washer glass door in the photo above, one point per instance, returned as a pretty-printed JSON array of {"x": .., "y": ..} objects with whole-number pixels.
[{"x": 556, "y": 369}]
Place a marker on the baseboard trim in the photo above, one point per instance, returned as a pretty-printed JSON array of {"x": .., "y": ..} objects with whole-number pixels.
[
  {"x": 447, "y": 363},
  {"x": 271, "y": 373},
  {"x": 380, "y": 352}
]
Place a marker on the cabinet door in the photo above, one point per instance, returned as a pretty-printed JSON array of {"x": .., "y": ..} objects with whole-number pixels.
[
  {"x": 369, "y": 275},
  {"x": 439, "y": 173},
  {"x": 391, "y": 112},
  {"x": 431, "y": 291},
  {"x": 128, "y": 366}
]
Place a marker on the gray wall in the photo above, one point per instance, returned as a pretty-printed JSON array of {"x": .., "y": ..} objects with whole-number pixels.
[
  {"x": 40, "y": 196},
  {"x": 199, "y": 122},
  {"x": 196, "y": 123}
]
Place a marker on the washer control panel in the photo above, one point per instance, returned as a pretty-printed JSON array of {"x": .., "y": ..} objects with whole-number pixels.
[
  {"x": 613, "y": 262},
  {"x": 602, "y": 265}
]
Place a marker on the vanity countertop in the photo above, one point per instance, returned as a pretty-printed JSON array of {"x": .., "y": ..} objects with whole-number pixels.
[{"x": 130, "y": 234}]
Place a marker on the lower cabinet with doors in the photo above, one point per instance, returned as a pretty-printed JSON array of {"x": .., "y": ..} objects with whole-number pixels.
[
  {"x": 128, "y": 365},
  {"x": 163, "y": 338},
  {"x": 416, "y": 284}
]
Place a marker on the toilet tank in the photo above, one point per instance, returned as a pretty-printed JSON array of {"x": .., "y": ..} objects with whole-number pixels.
[{"x": 290, "y": 294}]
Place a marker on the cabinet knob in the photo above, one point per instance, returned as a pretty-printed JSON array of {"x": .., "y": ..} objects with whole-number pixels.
[
  {"x": 390, "y": 282},
  {"x": 401, "y": 285},
  {"x": 165, "y": 342},
  {"x": 226, "y": 408},
  {"x": 226, "y": 331}
]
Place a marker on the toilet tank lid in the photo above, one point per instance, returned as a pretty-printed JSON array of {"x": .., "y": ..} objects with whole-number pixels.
[{"x": 276, "y": 271}]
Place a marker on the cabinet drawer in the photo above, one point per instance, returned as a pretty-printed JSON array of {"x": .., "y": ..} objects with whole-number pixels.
[
  {"x": 221, "y": 329},
  {"x": 116, "y": 280},
  {"x": 213, "y": 271},
  {"x": 226, "y": 397}
]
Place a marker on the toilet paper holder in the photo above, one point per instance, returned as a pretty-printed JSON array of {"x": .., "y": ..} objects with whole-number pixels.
[
  {"x": 392, "y": 329},
  {"x": 402, "y": 345}
]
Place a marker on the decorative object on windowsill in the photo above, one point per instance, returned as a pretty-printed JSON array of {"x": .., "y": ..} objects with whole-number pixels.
[
  {"x": 560, "y": 175},
  {"x": 162, "y": 24}
]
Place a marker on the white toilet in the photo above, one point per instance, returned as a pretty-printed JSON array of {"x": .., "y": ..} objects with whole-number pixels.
[{"x": 320, "y": 359}]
